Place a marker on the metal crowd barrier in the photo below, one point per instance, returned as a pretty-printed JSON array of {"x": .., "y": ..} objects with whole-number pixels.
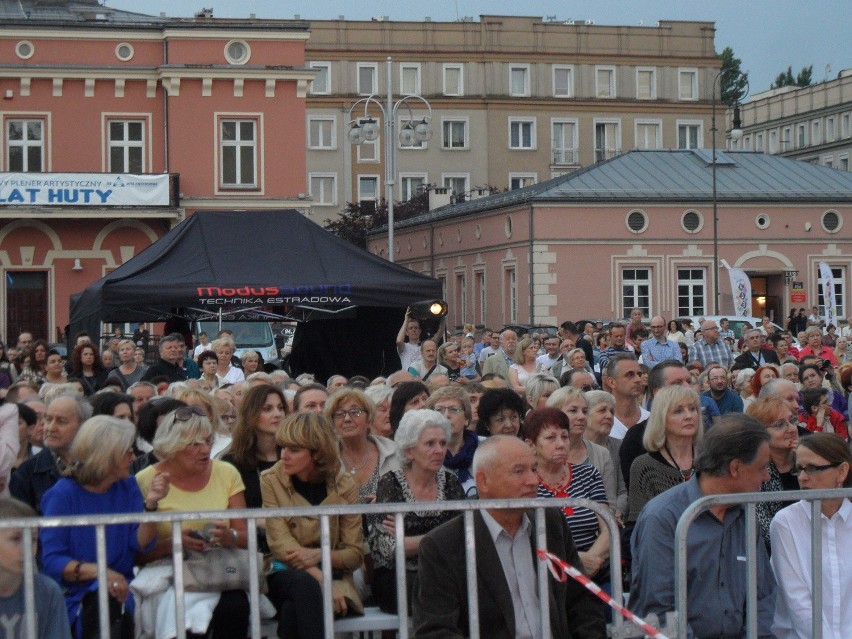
[
  {"x": 751, "y": 500},
  {"x": 617, "y": 628}
]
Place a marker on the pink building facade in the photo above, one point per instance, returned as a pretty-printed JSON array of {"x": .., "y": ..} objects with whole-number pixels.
[
  {"x": 116, "y": 126},
  {"x": 638, "y": 231}
]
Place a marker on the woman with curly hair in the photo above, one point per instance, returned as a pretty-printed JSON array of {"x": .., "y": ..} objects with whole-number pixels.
[{"x": 86, "y": 368}]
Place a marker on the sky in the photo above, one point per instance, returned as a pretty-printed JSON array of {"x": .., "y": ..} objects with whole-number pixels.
[{"x": 767, "y": 35}]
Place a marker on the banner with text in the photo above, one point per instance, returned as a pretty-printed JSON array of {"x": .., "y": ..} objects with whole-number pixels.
[
  {"x": 83, "y": 189},
  {"x": 741, "y": 290},
  {"x": 827, "y": 280}
]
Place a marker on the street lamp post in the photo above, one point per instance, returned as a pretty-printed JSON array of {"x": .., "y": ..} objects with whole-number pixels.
[
  {"x": 411, "y": 134},
  {"x": 736, "y": 134}
]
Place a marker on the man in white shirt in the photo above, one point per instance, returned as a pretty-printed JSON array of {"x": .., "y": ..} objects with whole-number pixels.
[
  {"x": 551, "y": 354},
  {"x": 623, "y": 378},
  {"x": 409, "y": 352}
]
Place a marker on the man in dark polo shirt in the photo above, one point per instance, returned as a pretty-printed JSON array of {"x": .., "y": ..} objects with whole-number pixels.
[{"x": 171, "y": 356}]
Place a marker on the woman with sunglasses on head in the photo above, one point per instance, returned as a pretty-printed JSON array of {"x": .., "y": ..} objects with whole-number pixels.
[
  {"x": 823, "y": 461},
  {"x": 365, "y": 457},
  {"x": 782, "y": 424},
  {"x": 182, "y": 444}
]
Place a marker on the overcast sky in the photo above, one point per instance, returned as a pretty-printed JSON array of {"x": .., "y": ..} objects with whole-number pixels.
[{"x": 768, "y": 35}]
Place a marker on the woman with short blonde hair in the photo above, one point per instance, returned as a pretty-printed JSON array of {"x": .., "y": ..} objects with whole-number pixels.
[{"x": 226, "y": 373}]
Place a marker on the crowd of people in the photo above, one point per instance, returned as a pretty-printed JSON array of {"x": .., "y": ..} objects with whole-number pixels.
[{"x": 641, "y": 417}]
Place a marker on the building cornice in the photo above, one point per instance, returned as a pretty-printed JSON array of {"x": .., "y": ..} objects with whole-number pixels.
[{"x": 113, "y": 32}]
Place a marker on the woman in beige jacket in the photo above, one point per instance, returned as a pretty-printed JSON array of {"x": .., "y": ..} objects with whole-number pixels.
[{"x": 309, "y": 474}]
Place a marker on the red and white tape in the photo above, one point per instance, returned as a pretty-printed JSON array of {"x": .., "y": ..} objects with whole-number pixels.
[{"x": 561, "y": 570}]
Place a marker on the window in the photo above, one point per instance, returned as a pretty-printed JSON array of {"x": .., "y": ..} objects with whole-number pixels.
[
  {"x": 323, "y": 188},
  {"x": 453, "y": 79},
  {"x": 510, "y": 295},
  {"x": 369, "y": 151},
  {"x": 758, "y": 142},
  {"x": 520, "y": 180},
  {"x": 829, "y": 129},
  {"x": 481, "y": 297},
  {"x": 238, "y": 153},
  {"x": 519, "y": 80},
  {"x": 522, "y": 134},
  {"x": 563, "y": 141},
  {"x": 367, "y": 76},
  {"x": 844, "y": 163},
  {"x": 801, "y": 136},
  {"x": 607, "y": 140},
  {"x": 411, "y": 185},
  {"x": 409, "y": 78},
  {"x": 457, "y": 183},
  {"x": 605, "y": 82},
  {"x": 237, "y": 52},
  {"x": 846, "y": 125},
  {"x": 649, "y": 135},
  {"x": 773, "y": 141},
  {"x": 322, "y": 82},
  {"x": 563, "y": 81},
  {"x": 687, "y": 84},
  {"x": 646, "y": 83},
  {"x": 839, "y": 273},
  {"x": 126, "y": 146},
  {"x": 816, "y": 138},
  {"x": 321, "y": 133},
  {"x": 25, "y": 146},
  {"x": 368, "y": 191},
  {"x": 688, "y": 135},
  {"x": 454, "y": 134},
  {"x": 691, "y": 289},
  {"x": 461, "y": 298},
  {"x": 635, "y": 290}
]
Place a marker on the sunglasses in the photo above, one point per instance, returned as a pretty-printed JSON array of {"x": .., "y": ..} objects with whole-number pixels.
[
  {"x": 810, "y": 469},
  {"x": 185, "y": 413}
]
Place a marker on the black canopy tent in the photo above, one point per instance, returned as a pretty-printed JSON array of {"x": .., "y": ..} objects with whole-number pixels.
[{"x": 265, "y": 266}]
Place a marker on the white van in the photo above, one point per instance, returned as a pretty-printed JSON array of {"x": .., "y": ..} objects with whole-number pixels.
[
  {"x": 256, "y": 336},
  {"x": 737, "y": 324}
]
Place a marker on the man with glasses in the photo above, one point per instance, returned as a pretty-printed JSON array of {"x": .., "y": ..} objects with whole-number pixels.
[
  {"x": 580, "y": 379},
  {"x": 493, "y": 347},
  {"x": 727, "y": 400},
  {"x": 755, "y": 355},
  {"x": 710, "y": 348},
  {"x": 658, "y": 348}
]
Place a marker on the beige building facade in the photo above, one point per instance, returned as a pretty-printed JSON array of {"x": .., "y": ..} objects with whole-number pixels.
[{"x": 514, "y": 100}]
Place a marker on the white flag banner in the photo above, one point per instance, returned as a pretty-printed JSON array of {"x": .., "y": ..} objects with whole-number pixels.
[
  {"x": 741, "y": 290},
  {"x": 827, "y": 280}
]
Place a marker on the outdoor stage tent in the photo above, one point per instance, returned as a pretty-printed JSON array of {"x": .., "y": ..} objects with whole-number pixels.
[{"x": 265, "y": 266}]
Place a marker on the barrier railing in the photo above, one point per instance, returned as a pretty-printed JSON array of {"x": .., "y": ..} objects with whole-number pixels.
[
  {"x": 323, "y": 513},
  {"x": 750, "y": 500}
]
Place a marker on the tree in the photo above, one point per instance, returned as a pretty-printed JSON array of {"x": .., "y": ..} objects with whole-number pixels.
[
  {"x": 786, "y": 79},
  {"x": 358, "y": 218},
  {"x": 732, "y": 80}
]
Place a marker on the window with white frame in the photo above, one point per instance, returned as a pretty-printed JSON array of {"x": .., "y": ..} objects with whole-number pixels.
[
  {"x": 322, "y": 82},
  {"x": 323, "y": 188},
  {"x": 238, "y": 153},
  {"x": 829, "y": 130},
  {"x": 522, "y": 134},
  {"x": 758, "y": 142},
  {"x": 519, "y": 80},
  {"x": 510, "y": 294},
  {"x": 409, "y": 78},
  {"x": 646, "y": 83},
  {"x": 786, "y": 138},
  {"x": 773, "y": 141},
  {"x": 367, "y": 78},
  {"x": 368, "y": 151},
  {"x": 687, "y": 84},
  {"x": 605, "y": 82},
  {"x": 411, "y": 184},
  {"x": 25, "y": 146},
  {"x": 461, "y": 298},
  {"x": 458, "y": 183},
  {"x": 321, "y": 133},
  {"x": 563, "y": 141},
  {"x": 607, "y": 139},
  {"x": 844, "y": 163},
  {"x": 454, "y": 133},
  {"x": 126, "y": 146},
  {"x": 801, "y": 135},
  {"x": 649, "y": 134},
  {"x": 846, "y": 125},
  {"x": 688, "y": 135},
  {"x": 816, "y": 137},
  {"x": 520, "y": 180},
  {"x": 368, "y": 191},
  {"x": 563, "y": 81},
  {"x": 481, "y": 297},
  {"x": 828, "y": 161},
  {"x": 453, "y": 79},
  {"x": 691, "y": 291},
  {"x": 839, "y": 273},
  {"x": 635, "y": 290}
]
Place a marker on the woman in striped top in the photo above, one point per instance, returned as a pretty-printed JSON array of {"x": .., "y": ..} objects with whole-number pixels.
[{"x": 547, "y": 431}]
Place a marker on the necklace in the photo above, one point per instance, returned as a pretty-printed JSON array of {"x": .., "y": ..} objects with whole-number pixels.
[
  {"x": 685, "y": 473},
  {"x": 354, "y": 469}
]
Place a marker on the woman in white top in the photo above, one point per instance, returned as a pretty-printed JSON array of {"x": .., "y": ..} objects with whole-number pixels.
[
  {"x": 524, "y": 366},
  {"x": 675, "y": 334},
  {"x": 226, "y": 373},
  {"x": 823, "y": 461}
]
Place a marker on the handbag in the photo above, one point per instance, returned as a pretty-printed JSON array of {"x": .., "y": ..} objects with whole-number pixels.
[{"x": 219, "y": 569}]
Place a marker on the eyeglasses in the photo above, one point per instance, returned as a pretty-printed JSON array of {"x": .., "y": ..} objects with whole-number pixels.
[
  {"x": 452, "y": 410},
  {"x": 502, "y": 418},
  {"x": 810, "y": 469},
  {"x": 785, "y": 423},
  {"x": 185, "y": 413},
  {"x": 588, "y": 387},
  {"x": 354, "y": 413}
]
